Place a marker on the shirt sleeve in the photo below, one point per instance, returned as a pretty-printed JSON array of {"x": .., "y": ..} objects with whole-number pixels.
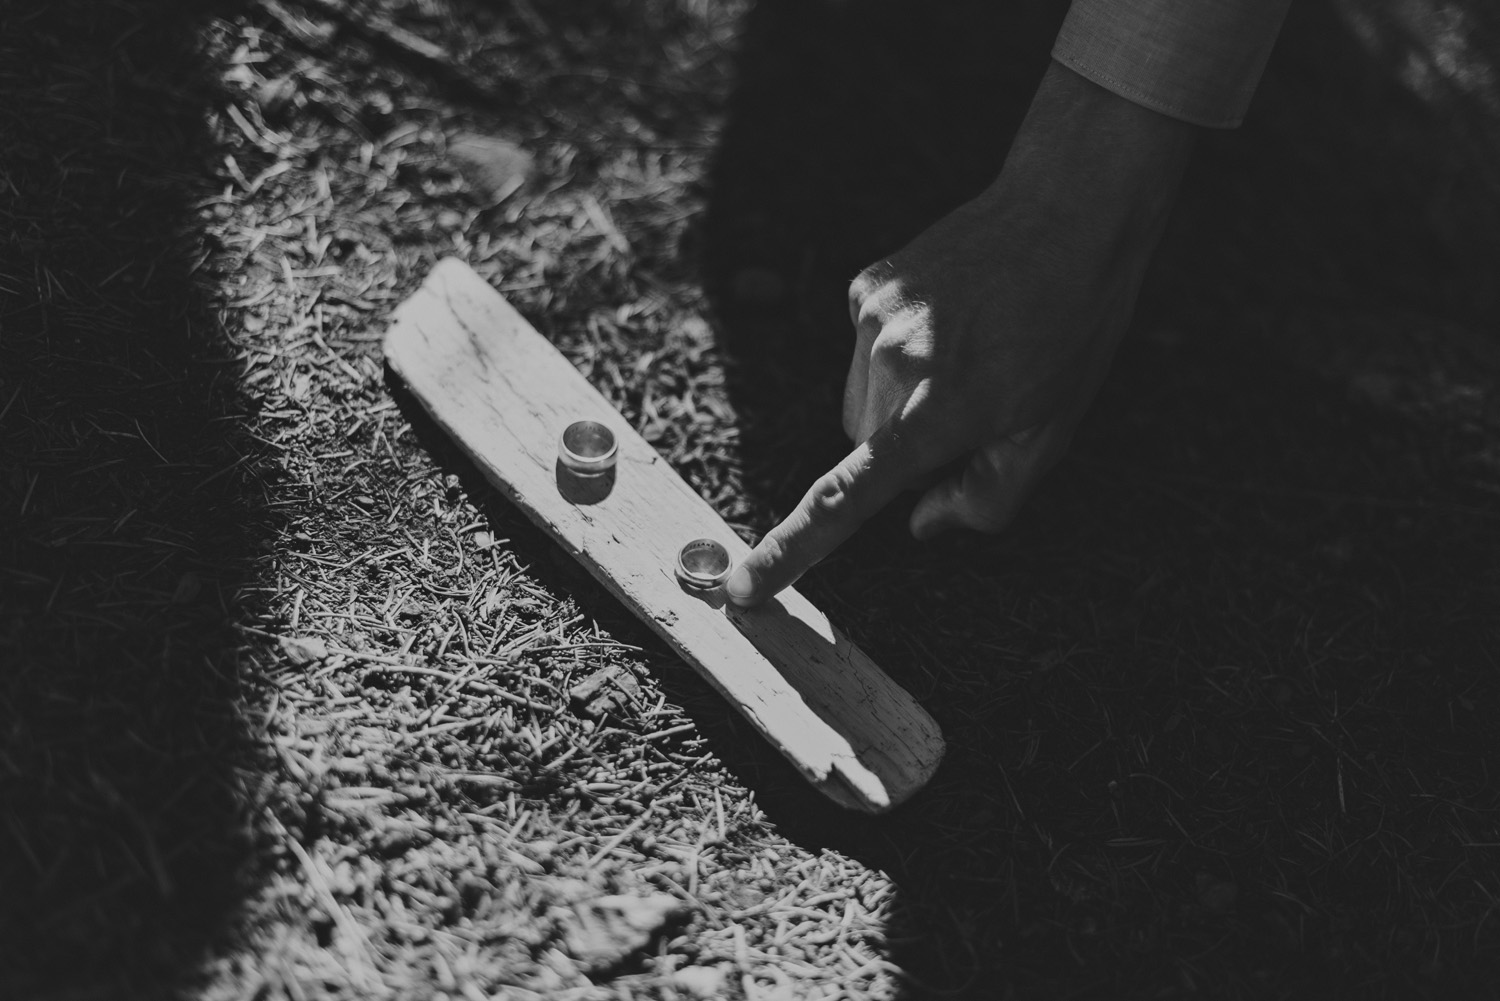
[{"x": 1196, "y": 60}]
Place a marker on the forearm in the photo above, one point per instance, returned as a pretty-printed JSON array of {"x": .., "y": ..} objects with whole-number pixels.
[{"x": 1095, "y": 164}]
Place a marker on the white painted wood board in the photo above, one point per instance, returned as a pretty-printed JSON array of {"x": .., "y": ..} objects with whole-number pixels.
[{"x": 504, "y": 394}]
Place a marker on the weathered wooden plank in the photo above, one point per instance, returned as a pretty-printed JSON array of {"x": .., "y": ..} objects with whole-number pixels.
[{"x": 505, "y": 394}]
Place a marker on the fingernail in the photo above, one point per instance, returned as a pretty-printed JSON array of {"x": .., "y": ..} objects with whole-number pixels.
[{"x": 740, "y": 585}]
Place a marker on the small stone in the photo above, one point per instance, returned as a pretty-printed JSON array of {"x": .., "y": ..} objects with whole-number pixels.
[
  {"x": 303, "y": 649},
  {"x": 699, "y": 981},
  {"x": 608, "y": 689},
  {"x": 599, "y": 933}
]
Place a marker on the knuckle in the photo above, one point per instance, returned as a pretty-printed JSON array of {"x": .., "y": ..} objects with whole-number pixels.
[
  {"x": 889, "y": 347},
  {"x": 897, "y": 352},
  {"x": 828, "y": 500},
  {"x": 861, "y": 292},
  {"x": 867, "y": 281},
  {"x": 874, "y": 294},
  {"x": 771, "y": 552},
  {"x": 869, "y": 314}
]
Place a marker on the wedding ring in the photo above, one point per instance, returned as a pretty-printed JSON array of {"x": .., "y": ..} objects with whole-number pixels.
[
  {"x": 703, "y": 564},
  {"x": 587, "y": 448}
]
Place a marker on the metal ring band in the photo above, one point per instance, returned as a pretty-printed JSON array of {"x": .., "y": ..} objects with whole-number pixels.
[
  {"x": 587, "y": 448},
  {"x": 703, "y": 564}
]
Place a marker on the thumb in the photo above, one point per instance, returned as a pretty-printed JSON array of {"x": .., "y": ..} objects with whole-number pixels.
[{"x": 993, "y": 484}]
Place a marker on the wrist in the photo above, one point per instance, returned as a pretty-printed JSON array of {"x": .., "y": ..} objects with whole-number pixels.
[{"x": 1086, "y": 149}]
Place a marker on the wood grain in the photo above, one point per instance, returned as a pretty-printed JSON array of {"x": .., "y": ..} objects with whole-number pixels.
[{"x": 504, "y": 394}]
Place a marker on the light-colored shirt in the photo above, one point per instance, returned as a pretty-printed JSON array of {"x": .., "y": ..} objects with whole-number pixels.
[{"x": 1196, "y": 60}]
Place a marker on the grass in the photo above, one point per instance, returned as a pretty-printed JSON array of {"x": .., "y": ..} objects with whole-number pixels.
[{"x": 295, "y": 707}]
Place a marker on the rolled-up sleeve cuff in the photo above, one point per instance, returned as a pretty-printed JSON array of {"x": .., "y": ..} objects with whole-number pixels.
[{"x": 1195, "y": 60}]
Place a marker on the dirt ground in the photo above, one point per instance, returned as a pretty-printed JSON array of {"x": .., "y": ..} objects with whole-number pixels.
[{"x": 289, "y": 698}]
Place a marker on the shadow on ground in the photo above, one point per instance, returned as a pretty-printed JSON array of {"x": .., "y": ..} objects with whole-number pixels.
[
  {"x": 1219, "y": 704},
  {"x": 128, "y": 515}
]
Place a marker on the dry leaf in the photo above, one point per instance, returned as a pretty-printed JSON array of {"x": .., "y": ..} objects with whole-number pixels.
[
  {"x": 494, "y": 168},
  {"x": 608, "y": 689}
]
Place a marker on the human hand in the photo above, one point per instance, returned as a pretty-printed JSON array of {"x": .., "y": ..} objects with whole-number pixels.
[{"x": 984, "y": 339}]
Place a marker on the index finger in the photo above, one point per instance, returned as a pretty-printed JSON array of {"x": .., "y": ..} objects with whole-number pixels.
[{"x": 834, "y": 507}]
